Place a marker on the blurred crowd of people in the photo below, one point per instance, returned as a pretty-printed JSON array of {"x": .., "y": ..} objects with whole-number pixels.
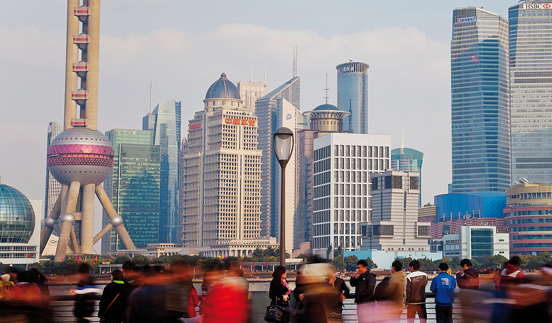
[{"x": 159, "y": 294}]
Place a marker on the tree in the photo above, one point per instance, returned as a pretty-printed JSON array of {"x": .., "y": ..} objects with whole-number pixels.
[
  {"x": 371, "y": 264},
  {"x": 302, "y": 256},
  {"x": 351, "y": 263},
  {"x": 338, "y": 263},
  {"x": 498, "y": 260},
  {"x": 121, "y": 259},
  {"x": 140, "y": 260}
]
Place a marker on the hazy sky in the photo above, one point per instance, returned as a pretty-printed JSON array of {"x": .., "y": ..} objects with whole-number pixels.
[{"x": 184, "y": 46}]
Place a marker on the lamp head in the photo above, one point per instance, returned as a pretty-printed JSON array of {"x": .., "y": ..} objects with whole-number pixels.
[{"x": 283, "y": 145}]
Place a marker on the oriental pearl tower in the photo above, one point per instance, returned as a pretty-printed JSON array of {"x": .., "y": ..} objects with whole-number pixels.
[{"x": 81, "y": 157}]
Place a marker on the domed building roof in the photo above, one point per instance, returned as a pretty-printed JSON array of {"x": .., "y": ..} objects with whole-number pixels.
[
  {"x": 325, "y": 107},
  {"x": 17, "y": 218},
  {"x": 223, "y": 89}
]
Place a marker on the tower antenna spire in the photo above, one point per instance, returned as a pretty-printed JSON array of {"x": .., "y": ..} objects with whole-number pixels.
[
  {"x": 326, "y": 89},
  {"x": 402, "y": 140},
  {"x": 295, "y": 61}
]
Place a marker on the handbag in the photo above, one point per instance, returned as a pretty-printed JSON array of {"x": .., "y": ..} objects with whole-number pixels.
[
  {"x": 274, "y": 313},
  {"x": 113, "y": 301}
]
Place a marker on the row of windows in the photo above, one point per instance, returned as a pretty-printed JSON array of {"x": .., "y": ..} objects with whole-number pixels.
[{"x": 531, "y": 196}]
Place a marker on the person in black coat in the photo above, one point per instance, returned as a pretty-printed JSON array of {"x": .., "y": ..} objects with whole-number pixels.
[
  {"x": 115, "y": 292},
  {"x": 364, "y": 282},
  {"x": 339, "y": 285},
  {"x": 280, "y": 292}
]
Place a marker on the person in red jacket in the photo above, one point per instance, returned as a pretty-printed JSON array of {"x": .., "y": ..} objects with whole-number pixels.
[
  {"x": 511, "y": 275},
  {"x": 227, "y": 301},
  {"x": 193, "y": 301}
]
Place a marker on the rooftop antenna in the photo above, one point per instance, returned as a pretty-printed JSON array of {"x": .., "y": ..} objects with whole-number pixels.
[
  {"x": 295, "y": 61},
  {"x": 151, "y": 85},
  {"x": 402, "y": 140},
  {"x": 326, "y": 89}
]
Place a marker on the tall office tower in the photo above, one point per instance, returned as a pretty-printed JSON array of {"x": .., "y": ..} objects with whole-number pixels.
[
  {"x": 531, "y": 91},
  {"x": 479, "y": 102},
  {"x": 164, "y": 121},
  {"x": 267, "y": 111},
  {"x": 343, "y": 163},
  {"x": 221, "y": 171},
  {"x": 53, "y": 187},
  {"x": 133, "y": 187},
  {"x": 250, "y": 92},
  {"x": 181, "y": 178},
  {"x": 352, "y": 95},
  {"x": 324, "y": 119},
  {"x": 408, "y": 160},
  {"x": 394, "y": 225}
]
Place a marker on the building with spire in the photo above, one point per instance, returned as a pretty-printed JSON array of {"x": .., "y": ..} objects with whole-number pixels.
[
  {"x": 164, "y": 121},
  {"x": 352, "y": 95},
  {"x": 268, "y": 110},
  {"x": 221, "y": 174},
  {"x": 251, "y": 92}
]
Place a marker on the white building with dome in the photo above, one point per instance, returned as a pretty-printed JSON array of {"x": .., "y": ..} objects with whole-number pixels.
[
  {"x": 19, "y": 227},
  {"x": 220, "y": 176}
]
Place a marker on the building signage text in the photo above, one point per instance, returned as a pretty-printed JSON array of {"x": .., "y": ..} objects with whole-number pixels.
[
  {"x": 195, "y": 126},
  {"x": 466, "y": 19},
  {"x": 244, "y": 122},
  {"x": 536, "y": 6}
]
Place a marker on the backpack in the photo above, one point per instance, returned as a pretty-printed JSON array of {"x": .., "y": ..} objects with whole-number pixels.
[{"x": 379, "y": 293}]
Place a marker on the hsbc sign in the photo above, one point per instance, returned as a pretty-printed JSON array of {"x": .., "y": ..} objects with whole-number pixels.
[{"x": 536, "y": 6}]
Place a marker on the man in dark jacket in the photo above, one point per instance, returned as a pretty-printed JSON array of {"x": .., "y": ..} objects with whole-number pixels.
[
  {"x": 339, "y": 285},
  {"x": 364, "y": 283},
  {"x": 416, "y": 283},
  {"x": 113, "y": 301}
]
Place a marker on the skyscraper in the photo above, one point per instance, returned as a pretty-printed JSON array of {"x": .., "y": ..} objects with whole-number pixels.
[
  {"x": 352, "y": 95},
  {"x": 133, "y": 187},
  {"x": 164, "y": 121},
  {"x": 531, "y": 90},
  {"x": 250, "y": 92},
  {"x": 267, "y": 111},
  {"x": 479, "y": 102},
  {"x": 343, "y": 163},
  {"x": 221, "y": 171},
  {"x": 53, "y": 187},
  {"x": 408, "y": 160}
]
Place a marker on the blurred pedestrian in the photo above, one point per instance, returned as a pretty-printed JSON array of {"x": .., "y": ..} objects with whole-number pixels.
[
  {"x": 146, "y": 303},
  {"x": 364, "y": 282},
  {"x": 416, "y": 283},
  {"x": 85, "y": 294},
  {"x": 468, "y": 281},
  {"x": 391, "y": 306},
  {"x": 178, "y": 290},
  {"x": 114, "y": 299},
  {"x": 443, "y": 286},
  {"x": 25, "y": 290},
  {"x": 5, "y": 284},
  {"x": 511, "y": 275},
  {"x": 227, "y": 300},
  {"x": 299, "y": 295},
  {"x": 343, "y": 292},
  {"x": 279, "y": 292}
]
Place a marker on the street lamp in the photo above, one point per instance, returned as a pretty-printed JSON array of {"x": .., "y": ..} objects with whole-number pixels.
[{"x": 283, "y": 142}]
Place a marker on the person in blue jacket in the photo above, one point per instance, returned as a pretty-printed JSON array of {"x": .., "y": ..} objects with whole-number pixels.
[{"x": 443, "y": 286}]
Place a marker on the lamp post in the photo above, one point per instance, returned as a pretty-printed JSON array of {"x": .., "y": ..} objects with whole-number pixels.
[{"x": 283, "y": 142}]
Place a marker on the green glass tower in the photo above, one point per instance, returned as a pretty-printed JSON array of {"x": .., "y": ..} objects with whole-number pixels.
[{"x": 134, "y": 187}]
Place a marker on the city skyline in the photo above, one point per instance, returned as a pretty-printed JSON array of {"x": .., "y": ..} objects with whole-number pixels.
[{"x": 153, "y": 48}]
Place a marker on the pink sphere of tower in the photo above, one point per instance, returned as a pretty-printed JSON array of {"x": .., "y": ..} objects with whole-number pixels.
[{"x": 80, "y": 155}]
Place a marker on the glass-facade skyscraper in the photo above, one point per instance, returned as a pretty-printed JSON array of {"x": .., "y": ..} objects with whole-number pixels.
[
  {"x": 479, "y": 102},
  {"x": 133, "y": 187},
  {"x": 531, "y": 91},
  {"x": 352, "y": 95},
  {"x": 408, "y": 160},
  {"x": 164, "y": 121}
]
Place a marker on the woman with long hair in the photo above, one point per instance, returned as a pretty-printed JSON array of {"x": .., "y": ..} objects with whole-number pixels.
[{"x": 280, "y": 292}]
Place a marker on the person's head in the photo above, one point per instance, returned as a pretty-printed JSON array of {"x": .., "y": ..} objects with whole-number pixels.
[
  {"x": 362, "y": 266},
  {"x": 443, "y": 267},
  {"x": 515, "y": 261},
  {"x": 396, "y": 266},
  {"x": 117, "y": 274},
  {"x": 414, "y": 265},
  {"x": 506, "y": 264},
  {"x": 36, "y": 275},
  {"x": 465, "y": 264},
  {"x": 84, "y": 268},
  {"x": 279, "y": 272},
  {"x": 24, "y": 277},
  {"x": 13, "y": 271}
]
